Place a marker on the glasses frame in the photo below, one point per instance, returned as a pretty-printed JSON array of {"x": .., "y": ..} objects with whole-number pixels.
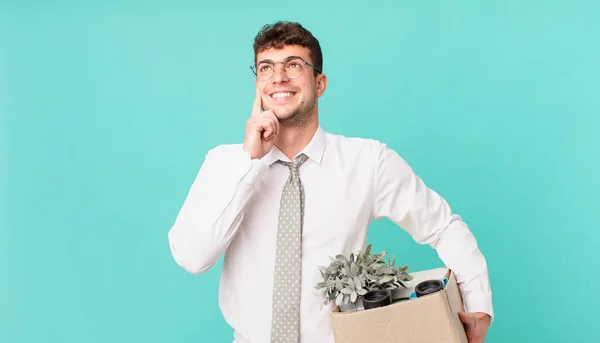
[{"x": 254, "y": 68}]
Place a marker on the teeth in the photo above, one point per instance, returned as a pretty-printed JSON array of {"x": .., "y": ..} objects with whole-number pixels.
[{"x": 281, "y": 95}]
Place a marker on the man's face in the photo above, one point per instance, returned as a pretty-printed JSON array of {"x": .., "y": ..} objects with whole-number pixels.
[{"x": 292, "y": 99}]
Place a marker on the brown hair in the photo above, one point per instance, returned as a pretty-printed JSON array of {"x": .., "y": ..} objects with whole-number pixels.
[{"x": 288, "y": 33}]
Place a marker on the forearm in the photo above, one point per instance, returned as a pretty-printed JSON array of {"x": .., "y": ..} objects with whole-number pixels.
[
  {"x": 458, "y": 249},
  {"x": 213, "y": 210}
]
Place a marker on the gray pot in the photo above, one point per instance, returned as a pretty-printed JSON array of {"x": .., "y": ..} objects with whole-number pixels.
[{"x": 351, "y": 307}]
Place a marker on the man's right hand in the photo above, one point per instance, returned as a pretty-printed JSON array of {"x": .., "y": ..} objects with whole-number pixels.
[{"x": 261, "y": 130}]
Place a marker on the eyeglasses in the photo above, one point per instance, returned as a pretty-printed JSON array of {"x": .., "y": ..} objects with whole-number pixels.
[{"x": 293, "y": 67}]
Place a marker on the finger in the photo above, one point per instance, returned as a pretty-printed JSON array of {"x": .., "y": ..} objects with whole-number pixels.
[
  {"x": 277, "y": 126},
  {"x": 257, "y": 106},
  {"x": 271, "y": 115},
  {"x": 260, "y": 124},
  {"x": 275, "y": 123},
  {"x": 463, "y": 317},
  {"x": 265, "y": 126},
  {"x": 269, "y": 132},
  {"x": 272, "y": 124}
]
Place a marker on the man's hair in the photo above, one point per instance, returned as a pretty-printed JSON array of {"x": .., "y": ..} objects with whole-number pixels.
[{"x": 288, "y": 33}]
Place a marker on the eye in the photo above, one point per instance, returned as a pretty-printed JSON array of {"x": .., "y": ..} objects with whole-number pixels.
[{"x": 263, "y": 68}]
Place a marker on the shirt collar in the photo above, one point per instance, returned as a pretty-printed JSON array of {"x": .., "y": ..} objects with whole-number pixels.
[{"x": 314, "y": 150}]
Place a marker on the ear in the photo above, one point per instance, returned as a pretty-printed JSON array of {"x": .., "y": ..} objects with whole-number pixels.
[{"x": 321, "y": 84}]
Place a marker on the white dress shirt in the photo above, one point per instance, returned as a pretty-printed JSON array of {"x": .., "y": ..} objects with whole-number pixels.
[{"x": 233, "y": 206}]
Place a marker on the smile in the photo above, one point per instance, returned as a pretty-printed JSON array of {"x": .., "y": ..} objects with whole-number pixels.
[{"x": 282, "y": 95}]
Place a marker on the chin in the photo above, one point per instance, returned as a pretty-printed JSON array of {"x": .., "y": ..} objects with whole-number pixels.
[{"x": 283, "y": 112}]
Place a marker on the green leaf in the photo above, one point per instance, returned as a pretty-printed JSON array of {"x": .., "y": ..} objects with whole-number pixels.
[
  {"x": 386, "y": 278},
  {"x": 339, "y": 298},
  {"x": 346, "y": 290},
  {"x": 351, "y": 283},
  {"x": 357, "y": 283},
  {"x": 362, "y": 291},
  {"x": 353, "y": 297}
]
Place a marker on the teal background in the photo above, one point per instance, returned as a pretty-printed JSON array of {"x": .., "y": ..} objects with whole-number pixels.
[{"x": 107, "y": 110}]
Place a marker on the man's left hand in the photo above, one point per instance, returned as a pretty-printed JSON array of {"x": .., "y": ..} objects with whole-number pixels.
[{"x": 476, "y": 325}]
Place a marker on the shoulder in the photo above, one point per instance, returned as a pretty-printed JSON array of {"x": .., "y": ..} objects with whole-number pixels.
[
  {"x": 226, "y": 151},
  {"x": 366, "y": 150},
  {"x": 356, "y": 145}
]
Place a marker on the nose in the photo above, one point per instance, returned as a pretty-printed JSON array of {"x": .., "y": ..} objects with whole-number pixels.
[{"x": 279, "y": 75}]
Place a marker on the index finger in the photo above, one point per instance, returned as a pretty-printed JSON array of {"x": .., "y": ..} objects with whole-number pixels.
[{"x": 257, "y": 106}]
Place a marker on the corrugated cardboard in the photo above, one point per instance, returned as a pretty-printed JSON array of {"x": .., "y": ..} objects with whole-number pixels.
[{"x": 428, "y": 319}]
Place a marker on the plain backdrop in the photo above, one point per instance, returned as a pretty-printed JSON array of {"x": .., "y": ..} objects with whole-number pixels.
[{"x": 107, "y": 109}]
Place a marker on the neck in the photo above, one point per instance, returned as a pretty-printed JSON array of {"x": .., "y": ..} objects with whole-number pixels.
[{"x": 292, "y": 139}]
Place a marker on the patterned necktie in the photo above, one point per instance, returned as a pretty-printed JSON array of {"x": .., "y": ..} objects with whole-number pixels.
[{"x": 285, "y": 325}]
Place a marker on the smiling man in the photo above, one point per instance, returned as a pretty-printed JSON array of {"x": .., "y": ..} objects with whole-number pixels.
[
  {"x": 291, "y": 195},
  {"x": 293, "y": 103}
]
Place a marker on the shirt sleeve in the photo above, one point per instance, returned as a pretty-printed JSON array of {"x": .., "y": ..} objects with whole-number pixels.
[
  {"x": 213, "y": 209},
  {"x": 403, "y": 197}
]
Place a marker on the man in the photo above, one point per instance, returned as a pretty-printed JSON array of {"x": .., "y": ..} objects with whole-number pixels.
[{"x": 292, "y": 195}]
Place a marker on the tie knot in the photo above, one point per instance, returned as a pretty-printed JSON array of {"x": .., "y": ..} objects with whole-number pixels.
[{"x": 295, "y": 165}]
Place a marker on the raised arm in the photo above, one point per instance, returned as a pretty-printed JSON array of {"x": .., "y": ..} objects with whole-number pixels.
[{"x": 213, "y": 210}]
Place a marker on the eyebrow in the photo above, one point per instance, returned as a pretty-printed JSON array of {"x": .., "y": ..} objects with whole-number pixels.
[{"x": 285, "y": 60}]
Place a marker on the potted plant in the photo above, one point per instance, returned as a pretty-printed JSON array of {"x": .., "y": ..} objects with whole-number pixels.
[{"x": 348, "y": 279}]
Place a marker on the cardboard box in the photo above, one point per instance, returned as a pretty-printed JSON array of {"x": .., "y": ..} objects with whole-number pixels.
[{"x": 426, "y": 319}]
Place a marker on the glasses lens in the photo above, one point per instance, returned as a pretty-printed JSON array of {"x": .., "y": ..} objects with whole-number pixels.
[
  {"x": 294, "y": 68},
  {"x": 264, "y": 71}
]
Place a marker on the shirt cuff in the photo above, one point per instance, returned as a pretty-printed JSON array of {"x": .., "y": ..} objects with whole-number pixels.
[{"x": 479, "y": 302}]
